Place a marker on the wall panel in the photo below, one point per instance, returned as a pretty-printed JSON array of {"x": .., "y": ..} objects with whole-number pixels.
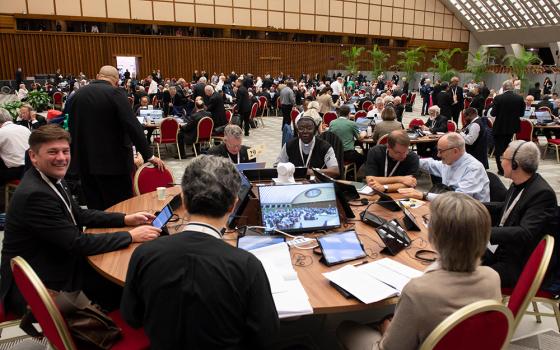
[{"x": 44, "y": 52}]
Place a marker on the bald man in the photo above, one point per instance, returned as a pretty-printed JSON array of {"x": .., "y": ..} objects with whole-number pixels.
[
  {"x": 104, "y": 130},
  {"x": 215, "y": 105}
]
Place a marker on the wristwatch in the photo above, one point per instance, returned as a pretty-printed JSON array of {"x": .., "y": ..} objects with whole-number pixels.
[{"x": 385, "y": 188}]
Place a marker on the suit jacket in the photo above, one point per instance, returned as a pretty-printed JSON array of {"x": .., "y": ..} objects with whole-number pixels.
[
  {"x": 103, "y": 129},
  {"x": 221, "y": 151},
  {"x": 508, "y": 108},
  {"x": 460, "y": 103},
  {"x": 32, "y": 126},
  {"x": 191, "y": 122},
  {"x": 478, "y": 103},
  {"x": 40, "y": 229},
  {"x": 531, "y": 218},
  {"x": 216, "y": 107},
  {"x": 198, "y": 90},
  {"x": 444, "y": 102},
  {"x": 536, "y": 93},
  {"x": 437, "y": 125},
  {"x": 243, "y": 101}
]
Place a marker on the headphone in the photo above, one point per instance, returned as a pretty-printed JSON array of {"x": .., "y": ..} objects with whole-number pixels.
[{"x": 514, "y": 164}]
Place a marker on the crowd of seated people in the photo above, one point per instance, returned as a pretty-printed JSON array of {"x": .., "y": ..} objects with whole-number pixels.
[{"x": 294, "y": 218}]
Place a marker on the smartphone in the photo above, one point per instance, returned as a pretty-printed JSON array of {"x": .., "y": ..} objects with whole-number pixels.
[{"x": 163, "y": 217}]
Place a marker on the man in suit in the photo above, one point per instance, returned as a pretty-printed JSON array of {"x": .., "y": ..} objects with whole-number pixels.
[
  {"x": 198, "y": 89},
  {"x": 243, "y": 105},
  {"x": 13, "y": 145},
  {"x": 477, "y": 100},
  {"x": 508, "y": 108},
  {"x": 527, "y": 214},
  {"x": 444, "y": 100},
  {"x": 535, "y": 91},
  {"x": 215, "y": 106},
  {"x": 187, "y": 131},
  {"x": 44, "y": 227},
  {"x": 457, "y": 104},
  {"x": 104, "y": 129},
  {"x": 29, "y": 118},
  {"x": 232, "y": 147}
]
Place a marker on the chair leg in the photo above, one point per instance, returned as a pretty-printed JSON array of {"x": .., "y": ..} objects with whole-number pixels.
[
  {"x": 178, "y": 151},
  {"x": 194, "y": 149},
  {"x": 158, "y": 154},
  {"x": 556, "y": 313},
  {"x": 262, "y": 120},
  {"x": 557, "y": 155},
  {"x": 537, "y": 312}
]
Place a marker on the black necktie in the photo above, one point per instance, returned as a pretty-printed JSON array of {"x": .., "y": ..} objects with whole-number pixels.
[{"x": 63, "y": 192}]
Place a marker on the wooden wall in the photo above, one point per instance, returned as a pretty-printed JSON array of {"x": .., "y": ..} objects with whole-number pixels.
[{"x": 44, "y": 52}]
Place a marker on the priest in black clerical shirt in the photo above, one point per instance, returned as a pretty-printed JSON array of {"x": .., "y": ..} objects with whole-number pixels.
[
  {"x": 192, "y": 290},
  {"x": 232, "y": 146}
]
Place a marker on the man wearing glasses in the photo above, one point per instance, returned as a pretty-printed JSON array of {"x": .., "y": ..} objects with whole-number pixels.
[
  {"x": 309, "y": 151},
  {"x": 232, "y": 147},
  {"x": 458, "y": 170}
]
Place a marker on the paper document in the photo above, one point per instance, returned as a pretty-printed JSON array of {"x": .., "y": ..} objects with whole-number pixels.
[
  {"x": 360, "y": 284},
  {"x": 390, "y": 272},
  {"x": 365, "y": 190},
  {"x": 288, "y": 293}
]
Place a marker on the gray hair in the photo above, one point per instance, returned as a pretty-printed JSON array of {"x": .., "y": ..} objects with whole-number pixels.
[
  {"x": 202, "y": 80},
  {"x": 455, "y": 140},
  {"x": 234, "y": 131},
  {"x": 527, "y": 156},
  {"x": 434, "y": 108},
  {"x": 507, "y": 85},
  {"x": 210, "y": 185},
  {"x": 5, "y": 116}
]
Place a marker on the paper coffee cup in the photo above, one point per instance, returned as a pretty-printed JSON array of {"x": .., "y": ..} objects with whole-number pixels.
[{"x": 160, "y": 193}]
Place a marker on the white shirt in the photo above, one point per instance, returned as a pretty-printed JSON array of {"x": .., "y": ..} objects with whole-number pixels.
[
  {"x": 336, "y": 88},
  {"x": 474, "y": 130},
  {"x": 153, "y": 88},
  {"x": 21, "y": 94},
  {"x": 14, "y": 142},
  {"x": 374, "y": 114}
]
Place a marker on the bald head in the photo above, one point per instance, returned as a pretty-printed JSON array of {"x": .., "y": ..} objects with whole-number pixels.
[
  {"x": 208, "y": 90},
  {"x": 108, "y": 73}
]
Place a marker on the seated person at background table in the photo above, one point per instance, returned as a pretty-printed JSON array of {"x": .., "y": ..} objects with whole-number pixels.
[
  {"x": 187, "y": 131},
  {"x": 474, "y": 133},
  {"x": 144, "y": 102},
  {"x": 392, "y": 166},
  {"x": 309, "y": 151},
  {"x": 232, "y": 147},
  {"x": 44, "y": 227},
  {"x": 459, "y": 230},
  {"x": 435, "y": 123},
  {"x": 347, "y": 131},
  {"x": 525, "y": 217},
  {"x": 13, "y": 145},
  {"x": 477, "y": 101},
  {"x": 387, "y": 124},
  {"x": 221, "y": 295},
  {"x": 173, "y": 103},
  {"x": 535, "y": 91},
  {"x": 215, "y": 107},
  {"x": 29, "y": 118},
  {"x": 545, "y": 102},
  {"x": 399, "y": 108},
  {"x": 529, "y": 100},
  {"x": 459, "y": 171},
  {"x": 375, "y": 113}
]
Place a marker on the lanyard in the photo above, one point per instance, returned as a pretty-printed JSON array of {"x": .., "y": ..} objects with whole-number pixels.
[
  {"x": 204, "y": 228},
  {"x": 238, "y": 159},
  {"x": 48, "y": 181},
  {"x": 310, "y": 152},
  {"x": 386, "y": 164},
  {"x": 509, "y": 209}
]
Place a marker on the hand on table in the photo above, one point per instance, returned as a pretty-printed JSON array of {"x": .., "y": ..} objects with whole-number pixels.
[
  {"x": 140, "y": 218},
  {"x": 410, "y": 192},
  {"x": 375, "y": 185},
  {"x": 144, "y": 233},
  {"x": 158, "y": 163},
  {"x": 409, "y": 181}
]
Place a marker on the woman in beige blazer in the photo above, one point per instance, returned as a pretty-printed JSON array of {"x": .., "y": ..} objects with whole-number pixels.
[
  {"x": 326, "y": 103},
  {"x": 387, "y": 125},
  {"x": 459, "y": 230}
]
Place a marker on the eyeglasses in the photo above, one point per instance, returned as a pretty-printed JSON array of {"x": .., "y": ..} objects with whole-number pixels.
[{"x": 443, "y": 150}]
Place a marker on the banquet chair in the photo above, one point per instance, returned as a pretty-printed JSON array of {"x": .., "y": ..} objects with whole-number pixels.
[
  {"x": 203, "y": 133},
  {"x": 484, "y": 324},
  {"x": 451, "y": 126},
  {"x": 360, "y": 114},
  {"x": 168, "y": 130},
  {"x": 148, "y": 177},
  {"x": 383, "y": 140},
  {"x": 525, "y": 132},
  {"x": 253, "y": 115},
  {"x": 415, "y": 122},
  {"x": 9, "y": 189},
  {"x": 367, "y": 105},
  {"x": 329, "y": 117},
  {"x": 263, "y": 106},
  {"x": 50, "y": 319},
  {"x": 57, "y": 100}
]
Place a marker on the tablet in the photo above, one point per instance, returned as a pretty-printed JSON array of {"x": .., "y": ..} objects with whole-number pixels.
[
  {"x": 340, "y": 247},
  {"x": 163, "y": 217},
  {"x": 255, "y": 242}
]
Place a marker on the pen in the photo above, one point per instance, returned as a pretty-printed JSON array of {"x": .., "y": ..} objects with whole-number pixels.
[{"x": 360, "y": 263}]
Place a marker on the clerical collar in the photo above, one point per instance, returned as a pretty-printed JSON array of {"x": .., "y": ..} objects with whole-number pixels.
[
  {"x": 524, "y": 183},
  {"x": 203, "y": 228}
]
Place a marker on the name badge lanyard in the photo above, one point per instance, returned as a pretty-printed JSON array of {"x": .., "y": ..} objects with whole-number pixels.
[
  {"x": 203, "y": 228},
  {"x": 308, "y": 156},
  {"x": 68, "y": 207},
  {"x": 386, "y": 164},
  {"x": 454, "y": 95},
  {"x": 238, "y": 159},
  {"x": 509, "y": 209}
]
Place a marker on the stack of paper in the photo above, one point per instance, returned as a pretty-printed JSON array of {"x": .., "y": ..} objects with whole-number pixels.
[
  {"x": 289, "y": 295},
  {"x": 374, "y": 281}
]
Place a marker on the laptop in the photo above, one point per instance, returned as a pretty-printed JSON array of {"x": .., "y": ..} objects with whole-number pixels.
[
  {"x": 543, "y": 117},
  {"x": 153, "y": 114},
  {"x": 246, "y": 166}
]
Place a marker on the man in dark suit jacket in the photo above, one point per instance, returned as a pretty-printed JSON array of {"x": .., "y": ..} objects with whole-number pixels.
[
  {"x": 187, "y": 131},
  {"x": 508, "y": 108},
  {"x": 477, "y": 101},
  {"x": 104, "y": 129},
  {"x": 243, "y": 105},
  {"x": 44, "y": 227},
  {"x": 527, "y": 214},
  {"x": 445, "y": 101},
  {"x": 30, "y": 119},
  {"x": 535, "y": 91},
  {"x": 232, "y": 147},
  {"x": 215, "y": 106},
  {"x": 198, "y": 89},
  {"x": 457, "y": 104}
]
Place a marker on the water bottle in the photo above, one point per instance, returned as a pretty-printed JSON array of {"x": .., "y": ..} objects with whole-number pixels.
[{"x": 369, "y": 132}]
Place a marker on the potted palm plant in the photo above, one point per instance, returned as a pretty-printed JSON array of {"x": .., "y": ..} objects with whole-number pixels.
[
  {"x": 519, "y": 63},
  {"x": 442, "y": 63},
  {"x": 377, "y": 60},
  {"x": 352, "y": 55},
  {"x": 478, "y": 63},
  {"x": 411, "y": 59}
]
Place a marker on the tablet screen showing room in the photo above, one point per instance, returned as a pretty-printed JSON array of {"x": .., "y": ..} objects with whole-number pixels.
[
  {"x": 299, "y": 208},
  {"x": 255, "y": 242},
  {"x": 341, "y": 247}
]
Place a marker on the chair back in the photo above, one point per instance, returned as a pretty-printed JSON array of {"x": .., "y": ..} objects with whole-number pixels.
[
  {"x": 462, "y": 119},
  {"x": 412, "y": 99},
  {"x": 525, "y": 131},
  {"x": 329, "y": 117},
  {"x": 367, "y": 105},
  {"x": 488, "y": 102},
  {"x": 415, "y": 122},
  {"x": 383, "y": 139},
  {"x": 467, "y": 102},
  {"x": 57, "y": 98},
  {"x": 451, "y": 126},
  {"x": 544, "y": 109},
  {"x": 42, "y": 305},
  {"x": 278, "y": 102},
  {"x": 360, "y": 114},
  {"x": 403, "y": 99},
  {"x": 228, "y": 116},
  {"x": 169, "y": 128},
  {"x": 262, "y": 102},
  {"x": 254, "y": 109},
  {"x": 531, "y": 278},
  {"x": 293, "y": 114},
  {"x": 485, "y": 324},
  {"x": 204, "y": 129},
  {"x": 147, "y": 178}
]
